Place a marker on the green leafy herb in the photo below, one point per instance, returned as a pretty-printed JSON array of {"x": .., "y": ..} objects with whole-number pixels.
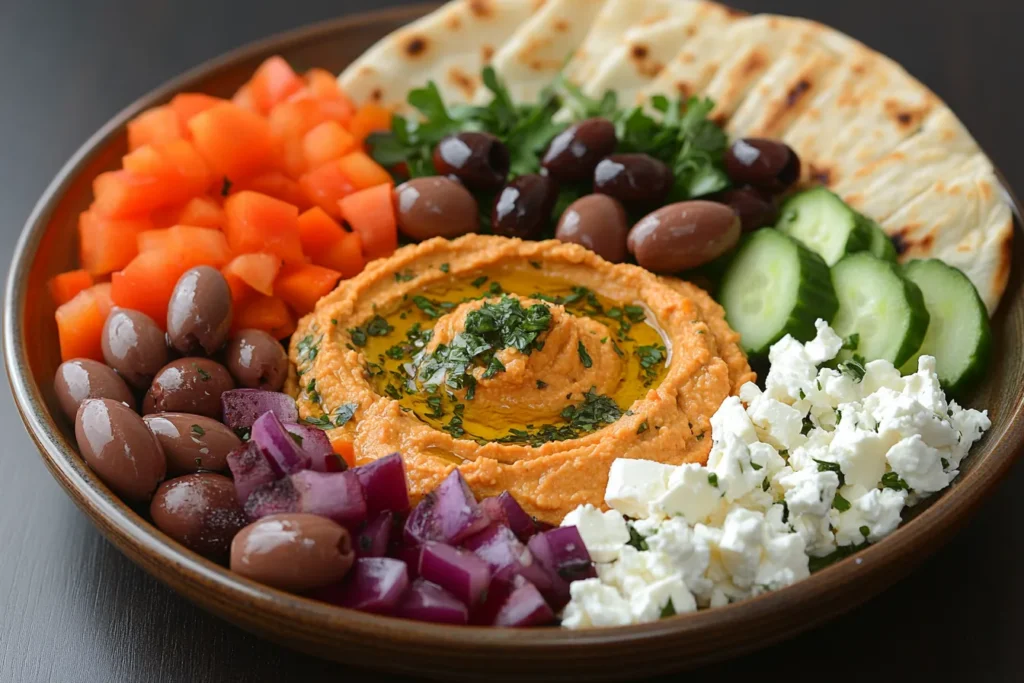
[
  {"x": 404, "y": 276},
  {"x": 854, "y": 368},
  {"x": 344, "y": 413},
  {"x": 840, "y": 503},
  {"x": 478, "y": 282},
  {"x": 650, "y": 358},
  {"x": 585, "y": 358},
  {"x": 865, "y": 531},
  {"x": 635, "y": 539},
  {"x": 713, "y": 479},
  {"x": 296, "y": 438},
  {"x": 541, "y": 384},
  {"x": 852, "y": 342},
  {"x": 225, "y": 187},
  {"x": 396, "y": 352},
  {"x": 891, "y": 480},
  {"x": 444, "y": 267},
  {"x": 669, "y": 610},
  {"x": 243, "y": 433},
  {"x": 378, "y": 327},
  {"x": 430, "y": 308},
  {"x": 825, "y": 466},
  {"x": 436, "y": 411},
  {"x": 595, "y": 412},
  {"x": 204, "y": 376},
  {"x": 198, "y": 431},
  {"x": 358, "y": 336},
  {"x": 320, "y": 421},
  {"x": 642, "y": 428},
  {"x": 454, "y": 426},
  {"x": 536, "y": 264},
  {"x": 754, "y": 466}
]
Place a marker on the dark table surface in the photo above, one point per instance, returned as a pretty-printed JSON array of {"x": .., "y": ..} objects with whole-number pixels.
[{"x": 73, "y": 609}]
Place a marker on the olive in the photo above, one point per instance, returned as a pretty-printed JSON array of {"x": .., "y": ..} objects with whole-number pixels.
[
  {"x": 572, "y": 154},
  {"x": 200, "y": 511},
  {"x": 199, "y": 313},
  {"x": 683, "y": 235},
  {"x": 479, "y": 160},
  {"x": 134, "y": 346},
  {"x": 80, "y": 378},
  {"x": 435, "y": 207},
  {"x": 116, "y": 444},
  {"x": 293, "y": 551},
  {"x": 755, "y": 207},
  {"x": 599, "y": 223},
  {"x": 192, "y": 442},
  {"x": 256, "y": 360},
  {"x": 766, "y": 164},
  {"x": 523, "y": 207},
  {"x": 188, "y": 385},
  {"x": 633, "y": 178}
]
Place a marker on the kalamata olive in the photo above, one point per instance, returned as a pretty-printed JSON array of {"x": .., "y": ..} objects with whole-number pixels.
[
  {"x": 200, "y": 511},
  {"x": 134, "y": 346},
  {"x": 80, "y": 378},
  {"x": 683, "y": 235},
  {"x": 599, "y": 223},
  {"x": 192, "y": 442},
  {"x": 572, "y": 154},
  {"x": 766, "y": 164},
  {"x": 293, "y": 552},
  {"x": 188, "y": 385},
  {"x": 257, "y": 360},
  {"x": 523, "y": 207},
  {"x": 755, "y": 207},
  {"x": 479, "y": 160},
  {"x": 199, "y": 314},
  {"x": 633, "y": 178},
  {"x": 117, "y": 445},
  {"x": 435, "y": 207}
]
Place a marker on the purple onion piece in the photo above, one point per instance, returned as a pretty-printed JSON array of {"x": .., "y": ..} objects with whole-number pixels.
[
  {"x": 447, "y": 514},
  {"x": 564, "y": 557},
  {"x": 498, "y": 591},
  {"x": 524, "y": 607},
  {"x": 375, "y": 584},
  {"x": 425, "y": 601},
  {"x": 242, "y": 407},
  {"x": 506, "y": 555},
  {"x": 410, "y": 554},
  {"x": 317, "y": 446},
  {"x": 372, "y": 541},
  {"x": 384, "y": 483},
  {"x": 279, "y": 447},
  {"x": 274, "y": 498},
  {"x": 250, "y": 470},
  {"x": 334, "y": 495},
  {"x": 460, "y": 572},
  {"x": 504, "y": 509}
]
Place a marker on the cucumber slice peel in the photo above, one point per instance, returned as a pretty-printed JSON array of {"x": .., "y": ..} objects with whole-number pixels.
[{"x": 823, "y": 222}]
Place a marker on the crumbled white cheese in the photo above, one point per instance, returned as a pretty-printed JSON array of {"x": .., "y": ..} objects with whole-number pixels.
[
  {"x": 634, "y": 484},
  {"x": 593, "y": 603},
  {"x": 690, "y": 493},
  {"x": 604, "y": 533},
  {"x": 810, "y": 492}
]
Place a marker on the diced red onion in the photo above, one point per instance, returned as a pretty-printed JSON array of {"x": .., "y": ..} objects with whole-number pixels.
[
  {"x": 384, "y": 483},
  {"x": 375, "y": 584},
  {"x": 250, "y": 470},
  {"x": 425, "y": 601},
  {"x": 242, "y": 407},
  {"x": 524, "y": 607},
  {"x": 505, "y": 510},
  {"x": 278, "y": 446},
  {"x": 563, "y": 555},
  {"x": 498, "y": 591},
  {"x": 372, "y": 541},
  {"x": 334, "y": 495},
  {"x": 447, "y": 514},
  {"x": 506, "y": 555},
  {"x": 460, "y": 572},
  {"x": 318, "y": 447},
  {"x": 410, "y": 554}
]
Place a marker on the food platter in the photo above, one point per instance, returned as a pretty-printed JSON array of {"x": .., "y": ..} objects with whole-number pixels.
[{"x": 380, "y": 642}]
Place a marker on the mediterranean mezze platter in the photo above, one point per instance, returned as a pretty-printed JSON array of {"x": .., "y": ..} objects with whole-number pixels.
[{"x": 465, "y": 333}]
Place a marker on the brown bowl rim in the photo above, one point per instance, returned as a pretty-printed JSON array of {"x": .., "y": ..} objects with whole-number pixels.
[{"x": 920, "y": 535}]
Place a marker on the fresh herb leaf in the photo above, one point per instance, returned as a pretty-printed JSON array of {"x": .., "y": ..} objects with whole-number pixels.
[
  {"x": 296, "y": 438},
  {"x": 825, "y": 466},
  {"x": 840, "y": 503},
  {"x": 854, "y": 368},
  {"x": 479, "y": 281},
  {"x": 320, "y": 421},
  {"x": 865, "y": 531},
  {"x": 344, "y": 413},
  {"x": 891, "y": 480},
  {"x": 404, "y": 276},
  {"x": 541, "y": 384},
  {"x": 378, "y": 327},
  {"x": 669, "y": 610},
  {"x": 198, "y": 431},
  {"x": 713, "y": 479},
  {"x": 444, "y": 267},
  {"x": 585, "y": 358},
  {"x": 642, "y": 428},
  {"x": 635, "y": 539}
]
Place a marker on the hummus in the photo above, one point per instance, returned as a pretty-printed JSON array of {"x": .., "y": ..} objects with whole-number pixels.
[{"x": 530, "y": 366}]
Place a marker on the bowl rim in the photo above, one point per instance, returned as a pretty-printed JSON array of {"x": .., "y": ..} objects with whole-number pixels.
[{"x": 911, "y": 542}]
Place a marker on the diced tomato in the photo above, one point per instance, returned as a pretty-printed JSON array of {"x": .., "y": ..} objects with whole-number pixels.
[
  {"x": 147, "y": 282},
  {"x": 240, "y": 291},
  {"x": 363, "y": 171},
  {"x": 177, "y": 164},
  {"x": 267, "y": 313},
  {"x": 80, "y": 326},
  {"x": 188, "y": 104},
  {"x": 327, "y": 142},
  {"x": 104, "y": 299},
  {"x": 344, "y": 448},
  {"x": 302, "y": 285},
  {"x": 368, "y": 119},
  {"x": 344, "y": 256},
  {"x": 323, "y": 87},
  {"x": 235, "y": 142},
  {"x": 202, "y": 212},
  {"x": 243, "y": 98},
  {"x": 65, "y": 286},
  {"x": 277, "y": 185},
  {"x": 317, "y": 231},
  {"x": 258, "y": 223},
  {"x": 258, "y": 271},
  {"x": 371, "y": 213},
  {"x": 326, "y": 186},
  {"x": 193, "y": 246},
  {"x": 123, "y": 194},
  {"x": 289, "y": 123},
  {"x": 107, "y": 244},
  {"x": 159, "y": 124},
  {"x": 272, "y": 83}
]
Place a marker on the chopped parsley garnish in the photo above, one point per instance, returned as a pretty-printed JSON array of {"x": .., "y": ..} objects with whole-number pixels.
[
  {"x": 378, "y": 327},
  {"x": 243, "y": 433},
  {"x": 541, "y": 384},
  {"x": 430, "y": 308},
  {"x": 852, "y": 342},
  {"x": 198, "y": 431},
  {"x": 840, "y": 503},
  {"x": 296, "y": 438},
  {"x": 635, "y": 539},
  {"x": 311, "y": 391},
  {"x": 754, "y": 466},
  {"x": 396, "y": 352},
  {"x": 454, "y": 426},
  {"x": 595, "y": 412},
  {"x": 393, "y": 392},
  {"x": 444, "y": 267},
  {"x": 585, "y": 358},
  {"x": 495, "y": 288},
  {"x": 478, "y": 282},
  {"x": 891, "y": 480},
  {"x": 642, "y": 428},
  {"x": 320, "y": 421},
  {"x": 204, "y": 376},
  {"x": 344, "y": 413},
  {"x": 669, "y": 610},
  {"x": 713, "y": 479},
  {"x": 436, "y": 411},
  {"x": 358, "y": 336},
  {"x": 404, "y": 276},
  {"x": 650, "y": 357},
  {"x": 536, "y": 264},
  {"x": 825, "y": 466},
  {"x": 854, "y": 368},
  {"x": 865, "y": 531}
]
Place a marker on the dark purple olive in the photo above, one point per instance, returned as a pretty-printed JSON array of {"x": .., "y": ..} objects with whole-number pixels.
[
  {"x": 683, "y": 235},
  {"x": 523, "y": 207},
  {"x": 755, "y": 207},
  {"x": 200, "y": 511},
  {"x": 192, "y": 442},
  {"x": 134, "y": 346},
  {"x": 188, "y": 385},
  {"x": 435, "y": 206},
  {"x": 116, "y": 444},
  {"x": 199, "y": 313},
  {"x": 572, "y": 154},
  {"x": 768, "y": 165},
  {"x": 479, "y": 160},
  {"x": 599, "y": 223},
  {"x": 293, "y": 552},
  {"x": 80, "y": 378},
  {"x": 256, "y": 360},
  {"x": 633, "y": 178}
]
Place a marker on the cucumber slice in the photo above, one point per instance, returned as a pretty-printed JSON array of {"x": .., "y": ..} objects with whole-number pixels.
[
  {"x": 824, "y": 224},
  {"x": 775, "y": 286},
  {"x": 882, "y": 308},
  {"x": 959, "y": 335},
  {"x": 880, "y": 246}
]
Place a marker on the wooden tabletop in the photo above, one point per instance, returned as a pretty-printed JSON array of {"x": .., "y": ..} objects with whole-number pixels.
[{"x": 72, "y": 609}]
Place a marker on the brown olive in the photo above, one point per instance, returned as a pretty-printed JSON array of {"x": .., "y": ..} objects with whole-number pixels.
[
  {"x": 188, "y": 385},
  {"x": 599, "y": 223},
  {"x": 766, "y": 164},
  {"x": 756, "y": 208},
  {"x": 572, "y": 154},
  {"x": 523, "y": 207},
  {"x": 479, "y": 160},
  {"x": 256, "y": 360},
  {"x": 633, "y": 178},
  {"x": 115, "y": 443},
  {"x": 134, "y": 346},
  {"x": 199, "y": 313},
  {"x": 192, "y": 442},
  {"x": 80, "y": 378},
  {"x": 435, "y": 207},
  {"x": 683, "y": 235},
  {"x": 200, "y": 511},
  {"x": 293, "y": 551}
]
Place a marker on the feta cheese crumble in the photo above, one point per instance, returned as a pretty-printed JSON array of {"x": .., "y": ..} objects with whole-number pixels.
[{"x": 822, "y": 459}]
